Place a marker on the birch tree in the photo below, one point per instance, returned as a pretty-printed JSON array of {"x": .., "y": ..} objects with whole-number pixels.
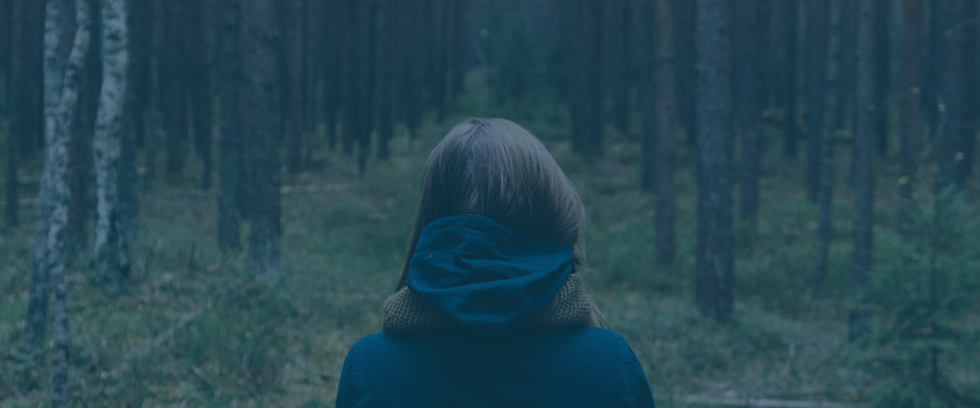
[
  {"x": 111, "y": 253},
  {"x": 64, "y": 59}
]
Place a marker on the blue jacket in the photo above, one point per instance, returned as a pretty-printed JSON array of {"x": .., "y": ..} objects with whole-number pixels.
[{"x": 493, "y": 281}]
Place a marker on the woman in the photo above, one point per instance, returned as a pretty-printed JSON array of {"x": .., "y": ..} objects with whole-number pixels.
[{"x": 490, "y": 310}]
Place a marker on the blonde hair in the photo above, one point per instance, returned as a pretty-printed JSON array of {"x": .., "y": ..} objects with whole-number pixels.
[{"x": 497, "y": 169}]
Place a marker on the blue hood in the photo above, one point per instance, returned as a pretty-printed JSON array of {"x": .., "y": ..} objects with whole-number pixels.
[{"x": 486, "y": 275}]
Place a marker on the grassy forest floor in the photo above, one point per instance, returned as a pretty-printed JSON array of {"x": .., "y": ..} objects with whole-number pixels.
[{"x": 194, "y": 330}]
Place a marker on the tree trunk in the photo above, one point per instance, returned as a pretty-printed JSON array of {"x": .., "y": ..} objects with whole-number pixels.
[
  {"x": 460, "y": 47},
  {"x": 196, "y": 79},
  {"x": 110, "y": 255},
  {"x": 261, "y": 132},
  {"x": 831, "y": 94},
  {"x": 364, "y": 85},
  {"x": 816, "y": 69},
  {"x": 714, "y": 293},
  {"x": 155, "y": 133},
  {"x": 384, "y": 74},
  {"x": 685, "y": 58},
  {"x": 80, "y": 147},
  {"x": 586, "y": 88},
  {"x": 17, "y": 90},
  {"x": 748, "y": 36},
  {"x": 784, "y": 41},
  {"x": 952, "y": 153},
  {"x": 617, "y": 61},
  {"x": 648, "y": 93},
  {"x": 970, "y": 88},
  {"x": 882, "y": 74},
  {"x": 230, "y": 145},
  {"x": 912, "y": 129},
  {"x": 173, "y": 63},
  {"x": 294, "y": 35},
  {"x": 65, "y": 54},
  {"x": 864, "y": 145},
  {"x": 666, "y": 206}
]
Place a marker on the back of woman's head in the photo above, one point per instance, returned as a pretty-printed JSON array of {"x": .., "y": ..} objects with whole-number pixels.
[{"x": 497, "y": 169}]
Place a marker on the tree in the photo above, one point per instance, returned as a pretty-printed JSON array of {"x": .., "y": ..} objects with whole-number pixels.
[
  {"x": 882, "y": 74},
  {"x": 585, "y": 47},
  {"x": 384, "y": 74},
  {"x": 685, "y": 58},
  {"x": 831, "y": 97},
  {"x": 912, "y": 129},
  {"x": 666, "y": 207},
  {"x": 616, "y": 48},
  {"x": 784, "y": 28},
  {"x": 952, "y": 149},
  {"x": 65, "y": 54},
  {"x": 294, "y": 35},
  {"x": 173, "y": 92},
  {"x": 113, "y": 142},
  {"x": 195, "y": 75},
  {"x": 714, "y": 279},
  {"x": 816, "y": 65},
  {"x": 230, "y": 81},
  {"x": 864, "y": 146},
  {"x": 748, "y": 35},
  {"x": 261, "y": 129}
]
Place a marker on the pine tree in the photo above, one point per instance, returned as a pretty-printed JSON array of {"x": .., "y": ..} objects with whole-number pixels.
[{"x": 714, "y": 292}]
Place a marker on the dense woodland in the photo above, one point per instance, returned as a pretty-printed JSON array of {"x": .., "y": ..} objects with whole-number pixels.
[{"x": 108, "y": 106}]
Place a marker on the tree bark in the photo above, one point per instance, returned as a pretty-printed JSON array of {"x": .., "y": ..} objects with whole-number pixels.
[
  {"x": 714, "y": 294},
  {"x": 952, "y": 150},
  {"x": 173, "y": 63},
  {"x": 384, "y": 74},
  {"x": 864, "y": 146},
  {"x": 230, "y": 145},
  {"x": 912, "y": 129},
  {"x": 882, "y": 74},
  {"x": 17, "y": 105},
  {"x": 261, "y": 131},
  {"x": 196, "y": 78},
  {"x": 62, "y": 77},
  {"x": 831, "y": 95},
  {"x": 364, "y": 85},
  {"x": 685, "y": 58},
  {"x": 666, "y": 207},
  {"x": 585, "y": 76},
  {"x": 110, "y": 255},
  {"x": 617, "y": 58},
  {"x": 816, "y": 69},
  {"x": 748, "y": 35},
  {"x": 294, "y": 109},
  {"x": 784, "y": 54},
  {"x": 460, "y": 47}
]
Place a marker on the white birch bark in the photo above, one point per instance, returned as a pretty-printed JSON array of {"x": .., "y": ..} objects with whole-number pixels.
[
  {"x": 110, "y": 254},
  {"x": 62, "y": 79}
]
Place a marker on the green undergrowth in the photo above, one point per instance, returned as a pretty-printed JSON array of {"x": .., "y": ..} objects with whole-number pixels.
[{"x": 195, "y": 330}]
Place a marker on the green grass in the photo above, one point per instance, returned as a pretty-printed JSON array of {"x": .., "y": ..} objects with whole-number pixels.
[{"x": 243, "y": 344}]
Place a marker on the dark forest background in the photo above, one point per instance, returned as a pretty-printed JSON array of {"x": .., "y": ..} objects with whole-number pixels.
[{"x": 211, "y": 198}]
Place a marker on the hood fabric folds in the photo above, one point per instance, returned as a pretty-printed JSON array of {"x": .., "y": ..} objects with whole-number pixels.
[{"x": 485, "y": 275}]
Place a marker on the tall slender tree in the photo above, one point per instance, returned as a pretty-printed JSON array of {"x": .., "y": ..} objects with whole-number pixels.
[
  {"x": 230, "y": 82},
  {"x": 616, "y": 49},
  {"x": 685, "y": 58},
  {"x": 261, "y": 132},
  {"x": 864, "y": 146},
  {"x": 294, "y": 35},
  {"x": 18, "y": 88},
  {"x": 585, "y": 77},
  {"x": 784, "y": 51},
  {"x": 952, "y": 152},
  {"x": 831, "y": 96},
  {"x": 748, "y": 35},
  {"x": 173, "y": 90},
  {"x": 666, "y": 207},
  {"x": 910, "y": 92},
  {"x": 113, "y": 141},
  {"x": 65, "y": 48},
  {"x": 816, "y": 68},
  {"x": 714, "y": 292},
  {"x": 384, "y": 74},
  {"x": 195, "y": 76},
  {"x": 882, "y": 74}
]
